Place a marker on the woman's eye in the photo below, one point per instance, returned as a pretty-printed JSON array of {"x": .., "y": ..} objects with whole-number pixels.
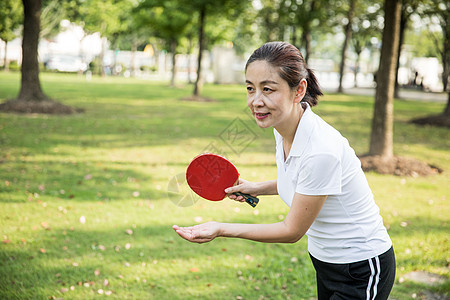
[
  {"x": 266, "y": 89},
  {"x": 249, "y": 89}
]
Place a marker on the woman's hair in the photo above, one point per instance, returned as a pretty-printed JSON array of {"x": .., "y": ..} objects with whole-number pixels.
[{"x": 292, "y": 67}]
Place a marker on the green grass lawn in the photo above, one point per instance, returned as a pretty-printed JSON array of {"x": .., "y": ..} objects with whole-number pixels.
[{"x": 85, "y": 210}]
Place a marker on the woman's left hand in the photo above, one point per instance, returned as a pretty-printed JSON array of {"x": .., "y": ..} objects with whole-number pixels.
[{"x": 202, "y": 233}]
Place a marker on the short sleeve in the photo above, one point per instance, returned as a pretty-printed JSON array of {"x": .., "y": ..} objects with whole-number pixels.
[{"x": 320, "y": 174}]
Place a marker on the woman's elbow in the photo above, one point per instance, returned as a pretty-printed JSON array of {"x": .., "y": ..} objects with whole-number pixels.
[
  {"x": 296, "y": 239},
  {"x": 292, "y": 235},
  {"x": 293, "y": 238}
]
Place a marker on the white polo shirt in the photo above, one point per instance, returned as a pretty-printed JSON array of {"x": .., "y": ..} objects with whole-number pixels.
[{"x": 349, "y": 227}]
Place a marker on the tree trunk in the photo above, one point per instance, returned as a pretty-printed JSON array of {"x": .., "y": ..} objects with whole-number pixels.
[
  {"x": 101, "y": 57},
  {"x": 381, "y": 139},
  {"x": 294, "y": 36},
  {"x": 447, "y": 107},
  {"x": 189, "y": 59},
  {"x": 446, "y": 59},
  {"x": 5, "y": 61},
  {"x": 31, "y": 99},
  {"x": 173, "y": 49},
  {"x": 306, "y": 32},
  {"x": 306, "y": 38},
  {"x": 445, "y": 73},
  {"x": 30, "y": 89},
  {"x": 403, "y": 23},
  {"x": 81, "y": 53},
  {"x": 358, "y": 56},
  {"x": 348, "y": 36},
  {"x": 114, "y": 64},
  {"x": 199, "y": 82},
  {"x": 445, "y": 54},
  {"x": 133, "y": 57}
]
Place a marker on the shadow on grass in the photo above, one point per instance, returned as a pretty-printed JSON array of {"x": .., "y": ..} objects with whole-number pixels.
[
  {"x": 163, "y": 125},
  {"x": 420, "y": 226},
  {"x": 80, "y": 181},
  {"x": 79, "y": 257}
]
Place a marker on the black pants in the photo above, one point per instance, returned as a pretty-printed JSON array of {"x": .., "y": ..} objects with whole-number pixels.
[{"x": 368, "y": 279}]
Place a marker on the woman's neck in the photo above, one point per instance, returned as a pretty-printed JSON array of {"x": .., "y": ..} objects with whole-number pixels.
[{"x": 288, "y": 129}]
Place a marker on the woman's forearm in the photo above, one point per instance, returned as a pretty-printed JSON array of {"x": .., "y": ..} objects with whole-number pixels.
[
  {"x": 268, "y": 187},
  {"x": 267, "y": 233},
  {"x": 304, "y": 210}
]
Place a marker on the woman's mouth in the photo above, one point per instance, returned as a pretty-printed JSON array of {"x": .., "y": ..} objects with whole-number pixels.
[{"x": 261, "y": 116}]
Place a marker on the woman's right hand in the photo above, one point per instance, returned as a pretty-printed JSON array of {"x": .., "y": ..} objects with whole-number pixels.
[{"x": 245, "y": 187}]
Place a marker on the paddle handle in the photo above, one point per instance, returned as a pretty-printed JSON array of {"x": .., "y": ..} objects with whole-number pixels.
[{"x": 252, "y": 201}]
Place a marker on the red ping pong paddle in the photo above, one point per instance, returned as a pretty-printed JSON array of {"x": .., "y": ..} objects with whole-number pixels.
[{"x": 208, "y": 175}]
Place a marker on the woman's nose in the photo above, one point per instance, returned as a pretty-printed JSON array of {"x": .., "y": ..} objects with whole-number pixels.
[{"x": 258, "y": 100}]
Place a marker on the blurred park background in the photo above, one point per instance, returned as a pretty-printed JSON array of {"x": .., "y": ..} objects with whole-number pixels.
[
  {"x": 104, "y": 103},
  {"x": 160, "y": 39}
]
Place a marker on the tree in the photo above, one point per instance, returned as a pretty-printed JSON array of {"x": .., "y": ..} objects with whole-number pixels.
[
  {"x": 10, "y": 19},
  {"x": 444, "y": 13},
  {"x": 381, "y": 157},
  {"x": 30, "y": 89},
  {"x": 409, "y": 7},
  {"x": 103, "y": 16},
  {"x": 131, "y": 36},
  {"x": 293, "y": 20},
  {"x": 51, "y": 16},
  {"x": 365, "y": 27},
  {"x": 381, "y": 139},
  {"x": 201, "y": 46},
  {"x": 244, "y": 33},
  {"x": 348, "y": 36},
  {"x": 190, "y": 36},
  {"x": 269, "y": 20},
  {"x": 441, "y": 11},
  {"x": 229, "y": 9},
  {"x": 31, "y": 98},
  {"x": 168, "y": 21},
  {"x": 309, "y": 16}
]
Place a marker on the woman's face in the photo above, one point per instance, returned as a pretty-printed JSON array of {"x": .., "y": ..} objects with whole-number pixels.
[{"x": 269, "y": 97}]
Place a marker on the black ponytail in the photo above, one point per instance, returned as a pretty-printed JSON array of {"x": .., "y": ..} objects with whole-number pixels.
[{"x": 313, "y": 89}]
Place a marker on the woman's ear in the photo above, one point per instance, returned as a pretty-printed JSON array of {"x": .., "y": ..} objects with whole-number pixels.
[{"x": 301, "y": 91}]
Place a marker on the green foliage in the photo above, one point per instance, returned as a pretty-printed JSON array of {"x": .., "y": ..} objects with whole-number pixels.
[
  {"x": 366, "y": 25},
  {"x": 423, "y": 43},
  {"x": 176, "y": 20},
  {"x": 105, "y": 16},
  {"x": 436, "y": 13},
  {"x": 11, "y": 15},
  {"x": 222, "y": 24},
  {"x": 52, "y": 13},
  {"x": 322, "y": 20},
  {"x": 245, "y": 38},
  {"x": 130, "y": 35},
  {"x": 167, "y": 20},
  {"x": 269, "y": 16},
  {"x": 84, "y": 207}
]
